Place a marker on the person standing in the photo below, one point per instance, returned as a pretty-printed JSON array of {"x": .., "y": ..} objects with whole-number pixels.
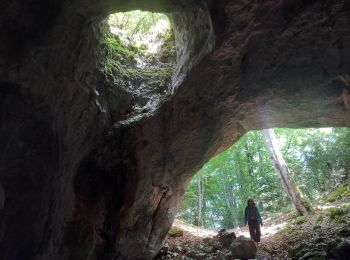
[{"x": 253, "y": 219}]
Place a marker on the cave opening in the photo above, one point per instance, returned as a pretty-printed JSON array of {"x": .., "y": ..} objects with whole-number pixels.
[
  {"x": 140, "y": 58},
  {"x": 145, "y": 30},
  {"x": 317, "y": 160},
  {"x": 74, "y": 186}
]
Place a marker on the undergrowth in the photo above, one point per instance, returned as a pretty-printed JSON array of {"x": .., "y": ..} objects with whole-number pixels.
[
  {"x": 343, "y": 190},
  {"x": 129, "y": 65}
]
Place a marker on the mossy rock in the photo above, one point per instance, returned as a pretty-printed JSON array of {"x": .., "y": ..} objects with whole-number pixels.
[{"x": 176, "y": 232}]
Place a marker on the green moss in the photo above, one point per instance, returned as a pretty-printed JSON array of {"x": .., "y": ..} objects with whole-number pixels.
[
  {"x": 116, "y": 57},
  {"x": 175, "y": 232},
  {"x": 300, "y": 220},
  {"x": 307, "y": 204},
  {"x": 119, "y": 65},
  {"x": 117, "y": 50},
  {"x": 341, "y": 191},
  {"x": 155, "y": 77},
  {"x": 335, "y": 213}
]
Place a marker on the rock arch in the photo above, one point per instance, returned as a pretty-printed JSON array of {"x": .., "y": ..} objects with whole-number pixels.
[{"x": 96, "y": 189}]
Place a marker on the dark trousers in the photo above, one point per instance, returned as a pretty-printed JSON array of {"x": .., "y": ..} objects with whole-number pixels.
[{"x": 254, "y": 230}]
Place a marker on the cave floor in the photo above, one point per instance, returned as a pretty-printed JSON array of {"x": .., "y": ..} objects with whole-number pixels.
[{"x": 325, "y": 234}]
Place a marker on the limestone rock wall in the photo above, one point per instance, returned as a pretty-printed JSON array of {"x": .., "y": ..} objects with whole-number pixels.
[{"x": 75, "y": 184}]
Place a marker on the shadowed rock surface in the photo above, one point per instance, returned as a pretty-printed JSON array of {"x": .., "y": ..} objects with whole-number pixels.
[{"x": 81, "y": 180}]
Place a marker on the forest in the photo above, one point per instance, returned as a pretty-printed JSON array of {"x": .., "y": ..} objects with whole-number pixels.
[{"x": 317, "y": 160}]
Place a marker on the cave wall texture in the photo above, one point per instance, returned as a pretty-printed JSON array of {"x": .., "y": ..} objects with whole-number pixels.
[{"x": 76, "y": 183}]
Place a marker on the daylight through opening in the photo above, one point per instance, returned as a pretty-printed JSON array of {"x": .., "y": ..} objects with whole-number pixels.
[
  {"x": 140, "y": 58},
  {"x": 145, "y": 30},
  {"x": 317, "y": 161}
]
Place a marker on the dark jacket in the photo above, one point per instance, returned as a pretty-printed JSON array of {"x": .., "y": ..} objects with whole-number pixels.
[{"x": 246, "y": 213}]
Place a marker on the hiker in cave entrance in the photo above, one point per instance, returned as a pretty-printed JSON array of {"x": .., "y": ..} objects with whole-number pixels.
[{"x": 253, "y": 218}]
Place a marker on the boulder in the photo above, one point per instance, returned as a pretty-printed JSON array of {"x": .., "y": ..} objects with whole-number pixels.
[
  {"x": 244, "y": 248},
  {"x": 212, "y": 242},
  {"x": 226, "y": 238}
]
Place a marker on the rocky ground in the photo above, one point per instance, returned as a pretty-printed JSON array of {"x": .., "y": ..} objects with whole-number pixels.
[{"x": 325, "y": 234}]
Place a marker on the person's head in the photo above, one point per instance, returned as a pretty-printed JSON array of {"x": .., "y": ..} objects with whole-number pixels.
[{"x": 250, "y": 202}]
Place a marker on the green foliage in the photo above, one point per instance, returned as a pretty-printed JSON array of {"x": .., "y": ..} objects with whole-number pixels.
[
  {"x": 128, "y": 64},
  {"x": 120, "y": 60},
  {"x": 300, "y": 220},
  {"x": 318, "y": 159},
  {"x": 145, "y": 30},
  {"x": 341, "y": 191},
  {"x": 335, "y": 213}
]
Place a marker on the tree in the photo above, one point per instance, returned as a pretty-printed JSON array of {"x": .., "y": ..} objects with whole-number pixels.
[
  {"x": 318, "y": 158},
  {"x": 286, "y": 178},
  {"x": 230, "y": 197},
  {"x": 200, "y": 199}
]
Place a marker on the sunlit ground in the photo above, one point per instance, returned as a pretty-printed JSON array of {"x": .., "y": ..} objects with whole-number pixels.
[
  {"x": 266, "y": 231},
  {"x": 194, "y": 230}
]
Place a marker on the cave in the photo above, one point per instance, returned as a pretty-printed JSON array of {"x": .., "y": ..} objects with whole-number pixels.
[{"x": 80, "y": 179}]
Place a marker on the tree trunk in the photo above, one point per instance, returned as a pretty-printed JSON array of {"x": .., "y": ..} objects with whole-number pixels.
[
  {"x": 249, "y": 159},
  {"x": 261, "y": 160},
  {"x": 230, "y": 198},
  {"x": 200, "y": 200},
  {"x": 242, "y": 180},
  {"x": 281, "y": 167}
]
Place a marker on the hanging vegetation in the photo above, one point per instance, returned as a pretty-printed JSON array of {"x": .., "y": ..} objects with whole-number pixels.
[{"x": 139, "y": 57}]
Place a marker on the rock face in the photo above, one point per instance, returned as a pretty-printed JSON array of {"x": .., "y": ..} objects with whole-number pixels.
[{"x": 80, "y": 181}]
